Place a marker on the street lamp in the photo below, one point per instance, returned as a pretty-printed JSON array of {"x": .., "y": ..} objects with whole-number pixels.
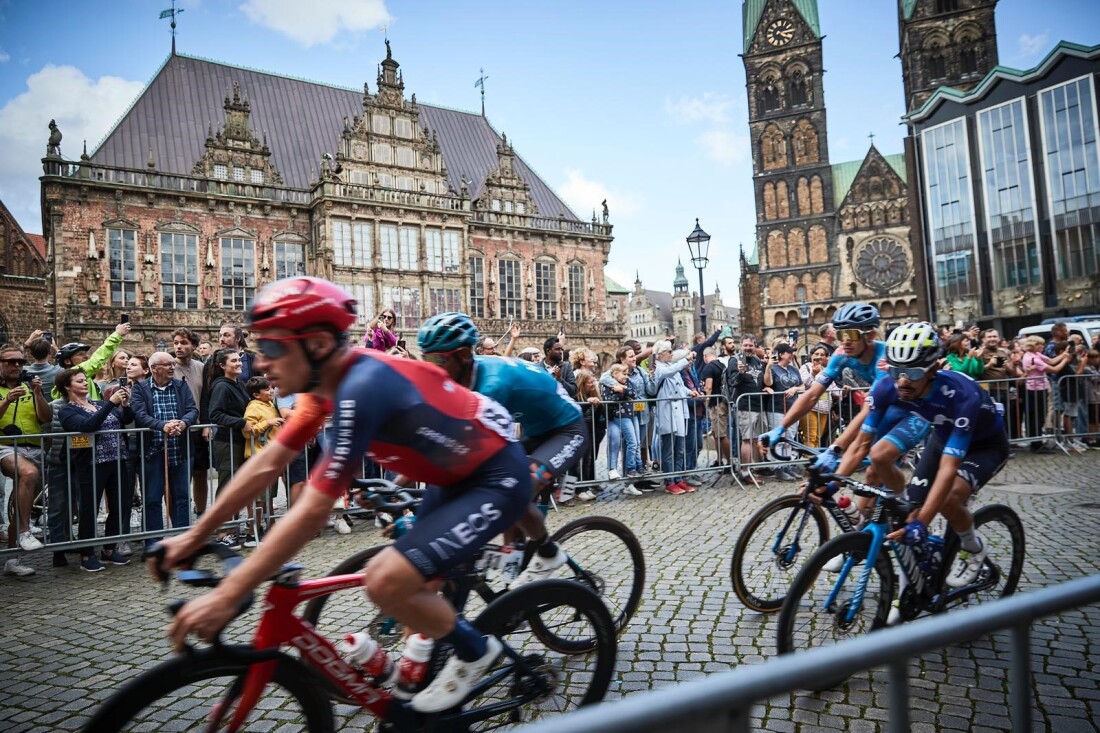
[
  {"x": 804, "y": 316},
  {"x": 698, "y": 244}
]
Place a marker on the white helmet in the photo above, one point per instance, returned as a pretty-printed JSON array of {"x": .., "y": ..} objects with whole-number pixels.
[{"x": 913, "y": 345}]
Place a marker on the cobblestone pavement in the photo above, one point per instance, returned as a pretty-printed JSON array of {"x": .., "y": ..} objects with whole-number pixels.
[{"x": 70, "y": 638}]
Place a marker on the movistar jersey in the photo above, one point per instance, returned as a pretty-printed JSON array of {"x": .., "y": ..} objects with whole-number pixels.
[
  {"x": 536, "y": 400},
  {"x": 839, "y": 361},
  {"x": 959, "y": 410}
]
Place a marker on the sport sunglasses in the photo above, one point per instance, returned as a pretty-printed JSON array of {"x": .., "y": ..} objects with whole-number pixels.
[
  {"x": 439, "y": 358},
  {"x": 274, "y": 347},
  {"x": 851, "y": 334},
  {"x": 910, "y": 373}
]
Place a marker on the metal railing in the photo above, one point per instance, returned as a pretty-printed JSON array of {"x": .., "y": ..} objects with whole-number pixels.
[{"x": 723, "y": 701}]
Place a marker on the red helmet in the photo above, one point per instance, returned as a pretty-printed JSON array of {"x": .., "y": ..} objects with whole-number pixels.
[{"x": 301, "y": 303}]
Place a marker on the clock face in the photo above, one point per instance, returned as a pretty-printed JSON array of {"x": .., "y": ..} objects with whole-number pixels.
[
  {"x": 881, "y": 264},
  {"x": 780, "y": 32}
]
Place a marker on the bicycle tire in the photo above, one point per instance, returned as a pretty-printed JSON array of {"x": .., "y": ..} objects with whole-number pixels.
[
  {"x": 595, "y": 566},
  {"x": 511, "y": 617},
  {"x": 802, "y": 613},
  {"x": 764, "y": 596},
  {"x": 1003, "y": 532},
  {"x": 160, "y": 682}
]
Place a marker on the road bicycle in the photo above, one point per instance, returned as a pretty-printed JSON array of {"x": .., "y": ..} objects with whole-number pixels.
[
  {"x": 604, "y": 556},
  {"x": 261, "y": 685},
  {"x": 822, "y": 607}
]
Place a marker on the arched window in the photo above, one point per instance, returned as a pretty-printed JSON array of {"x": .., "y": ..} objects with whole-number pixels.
[
  {"x": 769, "y": 201},
  {"x": 805, "y": 143},
  {"x": 773, "y": 148},
  {"x": 803, "y": 197},
  {"x": 796, "y": 247},
  {"x": 783, "y": 199},
  {"x": 968, "y": 55},
  {"x": 947, "y": 6},
  {"x": 817, "y": 197},
  {"x": 770, "y": 97},
  {"x": 799, "y": 88},
  {"x": 935, "y": 65},
  {"x": 777, "y": 249}
]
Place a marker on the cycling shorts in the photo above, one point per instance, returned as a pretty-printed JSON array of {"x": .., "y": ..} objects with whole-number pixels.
[
  {"x": 903, "y": 429},
  {"x": 556, "y": 452},
  {"x": 983, "y": 461},
  {"x": 454, "y": 522}
]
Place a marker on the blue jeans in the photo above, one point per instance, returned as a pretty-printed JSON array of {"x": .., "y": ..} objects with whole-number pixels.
[
  {"x": 672, "y": 457},
  {"x": 620, "y": 430},
  {"x": 691, "y": 443},
  {"x": 151, "y": 473}
]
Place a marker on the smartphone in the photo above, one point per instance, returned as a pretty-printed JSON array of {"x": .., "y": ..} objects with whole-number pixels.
[
  {"x": 401, "y": 344},
  {"x": 123, "y": 381},
  {"x": 124, "y": 318},
  {"x": 792, "y": 335},
  {"x": 47, "y": 335}
]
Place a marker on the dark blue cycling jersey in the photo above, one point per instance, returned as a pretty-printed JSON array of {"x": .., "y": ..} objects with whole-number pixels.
[
  {"x": 840, "y": 361},
  {"x": 536, "y": 400},
  {"x": 959, "y": 410}
]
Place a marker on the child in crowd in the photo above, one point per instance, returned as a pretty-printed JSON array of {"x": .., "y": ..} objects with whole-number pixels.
[
  {"x": 264, "y": 418},
  {"x": 620, "y": 426}
]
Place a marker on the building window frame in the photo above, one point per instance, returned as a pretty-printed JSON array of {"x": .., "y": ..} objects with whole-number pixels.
[
  {"x": 238, "y": 272},
  {"x": 388, "y": 245},
  {"x": 576, "y": 292},
  {"x": 409, "y": 250},
  {"x": 179, "y": 270},
  {"x": 546, "y": 295},
  {"x": 364, "y": 295},
  {"x": 405, "y": 302},
  {"x": 290, "y": 259},
  {"x": 477, "y": 286},
  {"x": 351, "y": 243},
  {"x": 122, "y": 266},
  {"x": 444, "y": 300},
  {"x": 509, "y": 278}
]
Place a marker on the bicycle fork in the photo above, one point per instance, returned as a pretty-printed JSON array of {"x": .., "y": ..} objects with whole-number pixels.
[
  {"x": 792, "y": 549},
  {"x": 878, "y": 536}
]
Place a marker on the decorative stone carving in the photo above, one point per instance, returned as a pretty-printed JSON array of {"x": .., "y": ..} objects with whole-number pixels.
[
  {"x": 149, "y": 283},
  {"x": 53, "y": 146},
  {"x": 210, "y": 286}
]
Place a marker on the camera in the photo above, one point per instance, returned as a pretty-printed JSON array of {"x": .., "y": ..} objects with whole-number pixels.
[{"x": 25, "y": 376}]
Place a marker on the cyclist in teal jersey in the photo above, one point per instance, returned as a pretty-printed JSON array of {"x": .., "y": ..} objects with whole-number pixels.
[{"x": 554, "y": 432}]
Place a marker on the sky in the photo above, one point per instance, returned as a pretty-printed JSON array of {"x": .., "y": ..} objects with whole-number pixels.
[{"x": 639, "y": 102}]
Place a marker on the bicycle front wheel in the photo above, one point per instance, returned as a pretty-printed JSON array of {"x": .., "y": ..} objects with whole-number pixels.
[
  {"x": 1002, "y": 533},
  {"x": 821, "y": 608},
  {"x": 542, "y": 681},
  {"x": 771, "y": 548},
  {"x": 188, "y": 691}
]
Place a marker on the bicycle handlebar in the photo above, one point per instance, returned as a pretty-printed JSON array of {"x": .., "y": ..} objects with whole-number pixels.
[
  {"x": 197, "y": 578},
  {"x": 385, "y": 495},
  {"x": 800, "y": 448}
]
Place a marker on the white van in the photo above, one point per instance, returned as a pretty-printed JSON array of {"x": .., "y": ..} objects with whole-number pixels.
[{"x": 1087, "y": 329}]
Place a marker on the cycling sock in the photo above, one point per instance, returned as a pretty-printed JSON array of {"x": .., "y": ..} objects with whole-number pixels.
[
  {"x": 468, "y": 642},
  {"x": 545, "y": 547},
  {"x": 970, "y": 541}
]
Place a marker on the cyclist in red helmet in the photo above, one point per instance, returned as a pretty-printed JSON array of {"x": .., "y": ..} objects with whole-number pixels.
[{"x": 407, "y": 416}]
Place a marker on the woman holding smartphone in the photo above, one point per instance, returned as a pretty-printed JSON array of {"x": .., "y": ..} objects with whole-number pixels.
[{"x": 381, "y": 333}]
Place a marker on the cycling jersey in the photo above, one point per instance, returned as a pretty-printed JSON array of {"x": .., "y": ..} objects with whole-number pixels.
[
  {"x": 840, "y": 361},
  {"x": 407, "y": 416},
  {"x": 536, "y": 400},
  {"x": 959, "y": 410}
]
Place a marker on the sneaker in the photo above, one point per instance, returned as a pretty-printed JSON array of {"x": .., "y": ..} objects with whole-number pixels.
[
  {"x": 614, "y": 475},
  {"x": 692, "y": 481},
  {"x": 632, "y": 490},
  {"x": 587, "y": 495},
  {"x": 114, "y": 558},
  {"x": 124, "y": 549},
  {"x": 342, "y": 526},
  {"x": 249, "y": 541},
  {"x": 91, "y": 564},
  {"x": 968, "y": 567},
  {"x": 540, "y": 567},
  {"x": 634, "y": 474},
  {"x": 59, "y": 560},
  {"x": 688, "y": 488},
  {"x": 28, "y": 543},
  {"x": 674, "y": 489},
  {"x": 835, "y": 565},
  {"x": 1078, "y": 446},
  {"x": 232, "y": 541},
  {"x": 454, "y": 681},
  {"x": 894, "y": 618},
  {"x": 14, "y": 567}
]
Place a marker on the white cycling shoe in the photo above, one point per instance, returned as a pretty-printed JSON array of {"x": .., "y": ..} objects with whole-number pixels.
[
  {"x": 540, "y": 567},
  {"x": 453, "y": 683},
  {"x": 968, "y": 568},
  {"x": 835, "y": 565}
]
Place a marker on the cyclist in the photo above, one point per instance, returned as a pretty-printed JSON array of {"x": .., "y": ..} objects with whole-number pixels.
[
  {"x": 554, "y": 432},
  {"x": 967, "y": 447},
  {"x": 404, "y": 415}
]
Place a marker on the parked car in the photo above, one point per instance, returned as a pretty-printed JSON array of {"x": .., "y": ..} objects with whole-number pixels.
[{"x": 1088, "y": 329}]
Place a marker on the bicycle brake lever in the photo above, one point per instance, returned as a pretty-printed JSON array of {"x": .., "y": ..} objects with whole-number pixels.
[{"x": 156, "y": 553}]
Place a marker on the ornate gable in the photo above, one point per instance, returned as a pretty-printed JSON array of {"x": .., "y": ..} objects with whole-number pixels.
[
  {"x": 876, "y": 181},
  {"x": 505, "y": 192},
  {"x": 234, "y": 153}
]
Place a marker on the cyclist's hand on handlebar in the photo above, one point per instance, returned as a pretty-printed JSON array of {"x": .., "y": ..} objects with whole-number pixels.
[
  {"x": 828, "y": 460},
  {"x": 771, "y": 437},
  {"x": 172, "y": 553},
  {"x": 204, "y": 617},
  {"x": 913, "y": 533}
]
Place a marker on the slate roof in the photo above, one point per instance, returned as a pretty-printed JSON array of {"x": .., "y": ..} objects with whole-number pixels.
[
  {"x": 753, "y": 9},
  {"x": 844, "y": 174},
  {"x": 302, "y": 120},
  {"x": 663, "y": 301},
  {"x": 907, "y": 8}
]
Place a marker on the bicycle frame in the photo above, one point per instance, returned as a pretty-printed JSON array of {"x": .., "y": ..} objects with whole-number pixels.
[{"x": 829, "y": 505}]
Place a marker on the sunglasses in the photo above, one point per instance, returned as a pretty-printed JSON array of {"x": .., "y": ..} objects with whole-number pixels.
[
  {"x": 274, "y": 347},
  {"x": 389, "y": 317},
  {"x": 439, "y": 358},
  {"x": 20, "y": 362},
  {"x": 851, "y": 334},
  {"x": 910, "y": 373}
]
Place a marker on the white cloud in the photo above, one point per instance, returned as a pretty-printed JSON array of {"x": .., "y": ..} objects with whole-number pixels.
[
  {"x": 1030, "y": 46},
  {"x": 317, "y": 21},
  {"x": 724, "y": 146},
  {"x": 710, "y": 107},
  {"x": 4, "y": 57},
  {"x": 85, "y": 109},
  {"x": 584, "y": 195}
]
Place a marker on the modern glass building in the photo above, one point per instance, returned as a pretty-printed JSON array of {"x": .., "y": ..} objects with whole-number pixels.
[{"x": 1009, "y": 180}]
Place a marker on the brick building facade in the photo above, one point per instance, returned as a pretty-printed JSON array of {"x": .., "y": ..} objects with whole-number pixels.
[{"x": 22, "y": 280}]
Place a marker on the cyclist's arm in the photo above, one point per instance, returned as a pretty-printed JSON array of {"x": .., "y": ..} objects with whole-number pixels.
[
  {"x": 855, "y": 453},
  {"x": 941, "y": 486},
  {"x": 803, "y": 404},
  {"x": 854, "y": 429}
]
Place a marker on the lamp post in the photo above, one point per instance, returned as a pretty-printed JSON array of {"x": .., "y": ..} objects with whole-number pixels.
[
  {"x": 804, "y": 316},
  {"x": 698, "y": 244}
]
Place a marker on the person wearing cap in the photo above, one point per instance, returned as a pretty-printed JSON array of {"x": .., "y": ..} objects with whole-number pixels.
[
  {"x": 670, "y": 414},
  {"x": 75, "y": 356},
  {"x": 531, "y": 354},
  {"x": 783, "y": 382}
]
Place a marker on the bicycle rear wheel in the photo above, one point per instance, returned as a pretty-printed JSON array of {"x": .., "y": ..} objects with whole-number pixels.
[
  {"x": 807, "y": 620},
  {"x": 185, "y": 690},
  {"x": 771, "y": 547},
  {"x": 1002, "y": 532},
  {"x": 547, "y": 682}
]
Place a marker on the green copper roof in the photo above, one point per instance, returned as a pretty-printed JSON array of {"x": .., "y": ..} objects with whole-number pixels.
[
  {"x": 844, "y": 174},
  {"x": 613, "y": 288},
  {"x": 907, "y": 8},
  {"x": 753, "y": 9}
]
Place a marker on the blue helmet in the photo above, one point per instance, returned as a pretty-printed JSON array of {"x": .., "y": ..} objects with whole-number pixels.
[
  {"x": 856, "y": 315},
  {"x": 447, "y": 332}
]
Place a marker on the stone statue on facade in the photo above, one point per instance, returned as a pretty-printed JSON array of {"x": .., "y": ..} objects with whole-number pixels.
[
  {"x": 149, "y": 284},
  {"x": 53, "y": 147},
  {"x": 210, "y": 287},
  {"x": 605, "y": 212},
  {"x": 89, "y": 282},
  {"x": 324, "y": 264}
]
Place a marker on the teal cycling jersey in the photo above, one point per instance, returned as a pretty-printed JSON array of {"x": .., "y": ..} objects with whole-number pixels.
[
  {"x": 870, "y": 372},
  {"x": 535, "y": 399}
]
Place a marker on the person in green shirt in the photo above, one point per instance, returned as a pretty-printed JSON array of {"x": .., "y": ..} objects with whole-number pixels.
[
  {"x": 961, "y": 357},
  {"x": 75, "y": 356}
]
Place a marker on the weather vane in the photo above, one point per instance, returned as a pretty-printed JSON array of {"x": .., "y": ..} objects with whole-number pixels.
[
  {"x": 481, "y": 83},
  {"x": 172, "y": 13}
]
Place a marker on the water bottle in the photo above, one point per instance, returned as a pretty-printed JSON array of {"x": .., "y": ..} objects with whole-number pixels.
[
  {"x": 855, "y": 516},
  {"x": 413, "y": 666},
  {"x": 512, "y": 563},
  {"x": 362, "y": 651},
  {"x": 402, "y": 525}
]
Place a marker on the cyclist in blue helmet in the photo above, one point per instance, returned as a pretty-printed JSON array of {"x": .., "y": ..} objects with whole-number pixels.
[{"x": 554, "y": 432}]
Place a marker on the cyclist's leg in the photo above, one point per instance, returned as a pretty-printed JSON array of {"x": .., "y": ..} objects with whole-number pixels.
[
  {"x": 980, "y": 465},
  {"x": 900, "y": 432}
]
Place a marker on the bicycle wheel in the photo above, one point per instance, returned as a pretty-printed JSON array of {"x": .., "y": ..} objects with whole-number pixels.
[
  {"x": 547, "y": 682},
  {"x": 1002, "y": 532},
  {"x": 605, "y": 556},
  {"x": 185, "y": 690},
  {"x": 771, "y": 547},
  {"x": 806, "y": 622}
]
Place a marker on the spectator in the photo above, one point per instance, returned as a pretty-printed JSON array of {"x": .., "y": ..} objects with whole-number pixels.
[
  {"x": 40, "y": 350},
  {"x": 583, "y": 358},
  {"x": 595, "y": 417},
  {"x": 1036, "y": 367},
  {"x": 298, "y": 470},
  {"x": 487, "y": 345},
  {"x": 1001, "y": 371},
  {"x": 228, "y": 400},
  {"x": 1092, "y": 371},
  {"x": 263, "y": 415},
  {"x": 165, "y": 406},
  {"x": 643, "y": 387},
  {"x": 204, "y": 351},
  {"x": 695, "y": 408},
  {"x": 700, "y": 343},
  {"x": 783, "y": 382},
  {"x": 828, "y": 339},
  {"x": 1074, "y": 395},
  {"x": 113, "y": 371},
  {"x": 816, "y": 422},
  {"x": 380, "y": 331},
  {"x": 621, "y": 429},
  {"x": 1059, "y": 334},
  {"x": 711, "y": 377},
  {"x": 75, "y": 356},
  {"x": 189, "y": 371},
  {"x": 531, "y": 354},
  {"x": 231, "y": 336},
  {"x": 555, "y": 363},
  {"x": 97, "y": 459},
  {"x": 743, "y": 387},
  {"x": 961, "y": 357},
  {"x": 23, "y": 411},
  {"x": 670, "y": 416}
]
